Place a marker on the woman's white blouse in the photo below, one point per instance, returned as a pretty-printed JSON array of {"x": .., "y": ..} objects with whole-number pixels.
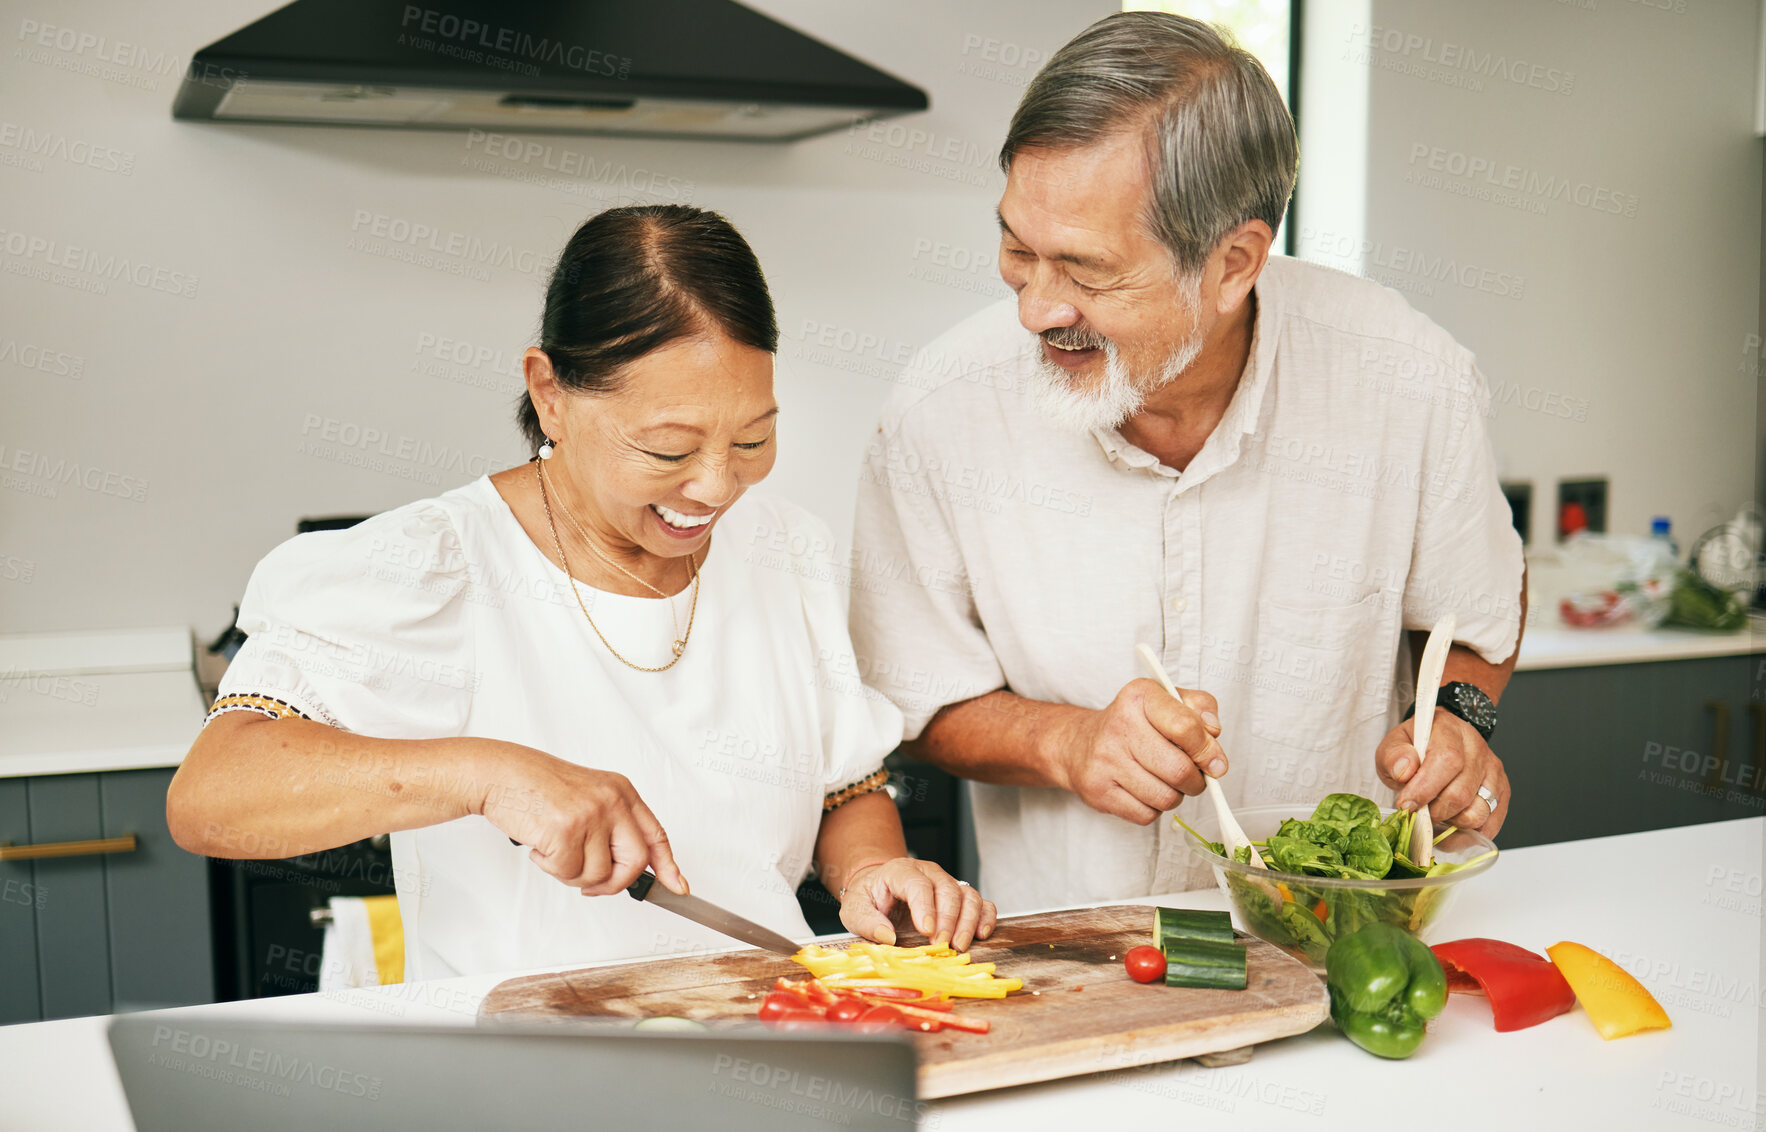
[{"x": 442, "y": 618}]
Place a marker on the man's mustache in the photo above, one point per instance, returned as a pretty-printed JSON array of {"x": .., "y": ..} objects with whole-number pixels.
[{"x": 1074, "y": 338}]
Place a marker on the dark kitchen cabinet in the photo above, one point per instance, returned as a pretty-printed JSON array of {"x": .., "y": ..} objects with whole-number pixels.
[
  {"x": 105, "y": 932},
  {"x": 934, "y": 822},
  {"x": 1620, "y": 748},
  {"x": 272, "y": 942}
]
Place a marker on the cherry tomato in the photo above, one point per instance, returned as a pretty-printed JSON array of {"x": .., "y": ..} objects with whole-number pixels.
[
  {"x": 1145, "y": 964},
  {"x": 847, "y": 1010},
  {"x": 780, "y": 1005},
  {"x": 880, "y": 1019}
]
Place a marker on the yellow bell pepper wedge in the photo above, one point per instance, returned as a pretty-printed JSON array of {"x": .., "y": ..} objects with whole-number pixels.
[
  {"x": 930, "y": 970},
  {"x": 1616, "y": 1003}
]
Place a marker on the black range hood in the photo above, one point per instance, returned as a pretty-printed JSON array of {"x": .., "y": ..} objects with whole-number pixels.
[{"x": 694, "y": 68}]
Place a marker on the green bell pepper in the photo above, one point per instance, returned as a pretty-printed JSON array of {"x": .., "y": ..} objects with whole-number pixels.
[{"x": 1385, "y": 985}]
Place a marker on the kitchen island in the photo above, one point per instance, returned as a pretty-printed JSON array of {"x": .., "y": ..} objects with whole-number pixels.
[{"x": 1679, "y": 908}]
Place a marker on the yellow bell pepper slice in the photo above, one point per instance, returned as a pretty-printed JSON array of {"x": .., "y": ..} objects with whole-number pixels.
[
  {"x": 1616, "y": 1003},
  {"x": 930, "y": 970}
]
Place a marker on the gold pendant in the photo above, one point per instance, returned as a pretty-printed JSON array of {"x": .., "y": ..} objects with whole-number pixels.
[{"x": 680, "y": 647}]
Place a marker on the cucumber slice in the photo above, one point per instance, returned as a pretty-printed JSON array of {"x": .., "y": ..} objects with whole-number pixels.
[
  {"x": 1187, "y": 923},
  {"x": 1205, "y": 963}
]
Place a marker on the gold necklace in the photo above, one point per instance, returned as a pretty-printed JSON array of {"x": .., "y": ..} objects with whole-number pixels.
[
  {"x": 680, "y": 645},
  {"x": 674, "y": 616}
]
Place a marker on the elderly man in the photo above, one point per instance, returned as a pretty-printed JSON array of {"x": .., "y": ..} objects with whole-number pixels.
[{"x": 1274, "y": 474}]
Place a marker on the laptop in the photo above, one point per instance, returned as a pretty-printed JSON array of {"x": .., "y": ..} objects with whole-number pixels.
[{"x": 194, "y": 1074}]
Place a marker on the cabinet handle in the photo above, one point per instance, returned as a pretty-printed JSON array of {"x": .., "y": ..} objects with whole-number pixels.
[
  {"x": 11, "y": 852},
  {"x": 1719, "y": 739}
]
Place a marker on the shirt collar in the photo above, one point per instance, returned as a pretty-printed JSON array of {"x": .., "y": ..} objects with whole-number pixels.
[{"x": 1242, "y": 412}]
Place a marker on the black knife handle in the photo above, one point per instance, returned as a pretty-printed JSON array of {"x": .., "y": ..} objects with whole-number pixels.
[{"x": 640, "y": 888}]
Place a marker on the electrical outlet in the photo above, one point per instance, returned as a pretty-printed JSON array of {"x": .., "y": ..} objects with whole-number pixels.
[
  {"x": 1520, "y": 506},
  {"x": 1591, "y": 495}
]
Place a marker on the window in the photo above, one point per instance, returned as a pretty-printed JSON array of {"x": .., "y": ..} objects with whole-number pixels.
[
  {"x": 1262, "y": 27},
  {"x": 1268, "y": 29}
]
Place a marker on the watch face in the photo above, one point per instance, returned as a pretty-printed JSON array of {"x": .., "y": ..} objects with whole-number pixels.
[{"x": 1472, "y": 705}]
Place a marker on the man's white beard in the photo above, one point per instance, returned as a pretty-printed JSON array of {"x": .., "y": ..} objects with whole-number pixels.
[{"x": 1119, "y": 395}]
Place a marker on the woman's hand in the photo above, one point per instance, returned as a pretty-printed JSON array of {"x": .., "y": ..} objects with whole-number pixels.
[
  {"x": 588, "y": 828},
  {"x": 948, "y": 912}
]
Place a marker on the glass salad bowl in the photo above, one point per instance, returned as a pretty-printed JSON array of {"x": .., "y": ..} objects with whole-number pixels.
[{"x": 1303, "y": 914}]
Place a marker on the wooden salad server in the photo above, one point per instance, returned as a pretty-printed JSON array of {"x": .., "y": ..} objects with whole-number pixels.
[
  {"x": 1428, "y": 686},
  {"x": 1231, "y": 834}
]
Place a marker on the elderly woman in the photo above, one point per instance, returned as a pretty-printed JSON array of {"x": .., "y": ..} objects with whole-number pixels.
[{"x": 610, "y": 658}]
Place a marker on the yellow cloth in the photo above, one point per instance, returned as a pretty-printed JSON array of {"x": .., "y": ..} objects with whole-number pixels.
[{"x": 389, "y": 937}]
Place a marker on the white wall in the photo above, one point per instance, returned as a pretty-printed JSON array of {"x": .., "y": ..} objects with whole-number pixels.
[
  {"x": 142, "y": 490},
  {"x": 1627, "y": 331}
]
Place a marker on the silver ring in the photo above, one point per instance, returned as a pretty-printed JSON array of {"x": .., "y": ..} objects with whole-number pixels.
[
  {"x": 964, "y": 883},
  {"x": 1485, "y": 793}
]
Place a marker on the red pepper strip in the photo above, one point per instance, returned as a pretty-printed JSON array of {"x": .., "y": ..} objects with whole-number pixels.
[
  {"x": 930, "y": 1002},
  {"x": 909, "y": 993},
  {"x": 808, "y": 989},
  {"x": 1524, "y": 989},
  {"x": 955, "y": 1021}
]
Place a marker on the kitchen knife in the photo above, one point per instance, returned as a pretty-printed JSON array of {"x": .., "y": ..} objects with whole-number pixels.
[{"x": 709, "y": 914}]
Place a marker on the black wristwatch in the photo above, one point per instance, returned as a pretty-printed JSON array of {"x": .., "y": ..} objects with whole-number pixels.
[{"x": 1467, "y": 701}]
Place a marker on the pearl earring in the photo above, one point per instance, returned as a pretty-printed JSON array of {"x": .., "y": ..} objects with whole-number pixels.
[{"x": 546, "y": 449}]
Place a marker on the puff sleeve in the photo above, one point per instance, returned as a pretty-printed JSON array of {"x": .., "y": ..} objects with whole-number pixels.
[{"x": 366, "y": 629}]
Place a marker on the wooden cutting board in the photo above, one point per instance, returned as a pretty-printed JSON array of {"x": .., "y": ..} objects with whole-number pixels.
[{"x": 1060, "y": 1030}]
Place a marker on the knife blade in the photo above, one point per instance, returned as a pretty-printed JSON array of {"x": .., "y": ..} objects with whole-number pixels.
[{"x": 710, "y": 915}]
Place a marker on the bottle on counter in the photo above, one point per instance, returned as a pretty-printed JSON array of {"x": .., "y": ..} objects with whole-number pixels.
[{"x": 1659, "y": 529}]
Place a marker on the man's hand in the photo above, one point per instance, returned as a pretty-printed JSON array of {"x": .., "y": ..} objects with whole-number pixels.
[
  {"x": 1459, "y": 762},
  {"x": 1139, "y": 756}
]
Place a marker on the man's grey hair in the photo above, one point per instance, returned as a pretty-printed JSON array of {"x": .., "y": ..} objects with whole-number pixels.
[{"x": 1220, "y": 141}]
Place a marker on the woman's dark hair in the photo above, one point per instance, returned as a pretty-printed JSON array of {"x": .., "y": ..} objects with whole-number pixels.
[{"x": 632, "y": 280}]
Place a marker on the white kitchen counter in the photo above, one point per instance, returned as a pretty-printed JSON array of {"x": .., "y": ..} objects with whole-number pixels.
[
  {"x": 1554, "y": 645},
  {"x": 85, "y": 702},
  {"x": 1680, "y": 908}
]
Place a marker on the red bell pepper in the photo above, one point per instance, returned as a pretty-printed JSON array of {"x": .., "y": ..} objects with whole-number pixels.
[{"x": 1524, "y": 989}]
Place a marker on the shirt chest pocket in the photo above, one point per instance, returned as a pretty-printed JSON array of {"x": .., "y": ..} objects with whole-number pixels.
[{"x": 1321, "y": 669}]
